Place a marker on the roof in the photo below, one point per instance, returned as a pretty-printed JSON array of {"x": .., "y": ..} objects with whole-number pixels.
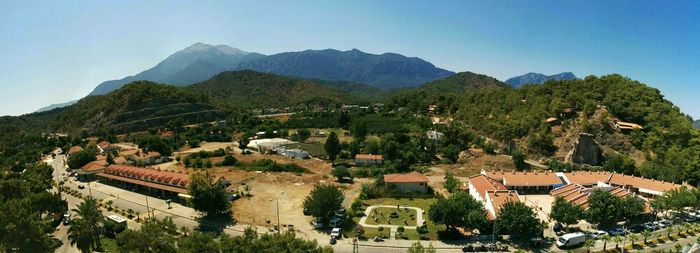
[
  {"x": 551, "y": 119},
  {"x": 405, "y": 178},
  {"x": 521, "y": 178},
  {"x": 166, "y": 134},
  {"x": 94, "y": 165},
  {"x": 75, "y": 149},
  {"x": 579, "y": 195},
  {"x": 627, "y": 125},
  {"x": 148, "y": 177},
  {"x": 500, "y": 198},
  {"x": 103, "y": 144},
  {"x": 643, "y": 183},
  {"x": 483, "y": 183},
  {"x": 587, "y": 177},
  {"x": 370, "y": 156},
  {"x": 149, "y": 154}
]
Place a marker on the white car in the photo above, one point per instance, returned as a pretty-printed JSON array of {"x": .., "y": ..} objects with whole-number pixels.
[
  {"x": 335, "y": 233},
  {"x": 597, "y": 234}
]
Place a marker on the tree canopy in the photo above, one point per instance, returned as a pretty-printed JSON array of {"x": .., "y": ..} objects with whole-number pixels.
[
  {"x": 208, "y": 197},
  {"x": 323, "y": 200}
]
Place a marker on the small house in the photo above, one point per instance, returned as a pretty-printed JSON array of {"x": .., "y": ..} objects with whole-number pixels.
[
  {"x": 552, "y": 121},
  {"x": 407, "y": 183}
]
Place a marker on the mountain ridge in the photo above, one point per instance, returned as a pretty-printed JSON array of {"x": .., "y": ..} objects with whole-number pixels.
[{"x": 538, "y": 78}]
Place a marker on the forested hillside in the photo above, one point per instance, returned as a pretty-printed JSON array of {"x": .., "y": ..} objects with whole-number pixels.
[
  {"x": 250, "y": 89},
  {"x": 671, "y": 144}
]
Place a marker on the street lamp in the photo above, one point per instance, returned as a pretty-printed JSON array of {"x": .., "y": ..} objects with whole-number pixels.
[{"x": 279, "y": 229}]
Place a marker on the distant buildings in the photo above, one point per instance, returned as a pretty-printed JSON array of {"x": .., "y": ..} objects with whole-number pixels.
[{"x": 407, "y": 183}]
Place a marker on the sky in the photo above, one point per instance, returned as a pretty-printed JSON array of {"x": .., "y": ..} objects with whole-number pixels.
[{"x": 58, "y": 51}]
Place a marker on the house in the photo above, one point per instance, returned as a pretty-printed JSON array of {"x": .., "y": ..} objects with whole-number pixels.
[
  {"x": 525, "y": 181},
  {"x": 626, "y": 126},
  {"x": 578, "y": 194},
  {"x": 364, "y": 159},
  {"x": 435, "y": 135},
  {"x": 407, "y": 183},
  {"x": 74, "y": 149},
  {"x": 645, "y": 187},
  {"x": 168, "y": 135},
  {"x": 491, "y": 193},
  {"x": 552, "y": 121},
  {"x": 168, "y": 184},
  {"x": 106, "y": 147},
  {"x": 89, "y": 170},
  {"x": 567, "y": 113}
]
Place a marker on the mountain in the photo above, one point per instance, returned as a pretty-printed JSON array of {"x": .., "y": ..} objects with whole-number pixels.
[
  {"x": 193, "y": 64},
  {"x": 357, "y": 89},
  {"x": 251, "y": 89},
  {"x": 54, "y": 106},
  {"x": 696, "y": 124},
  {"x": 385, "y": 71},
  {"x": 538, "y": 78},
  {"x": 443, "y": 92}
]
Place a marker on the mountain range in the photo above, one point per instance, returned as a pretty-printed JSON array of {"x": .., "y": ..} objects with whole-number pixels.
[
  {"x": 696, "y": 124},
  {"x": 200, "y": 62},
  {"x": 538, "y": 78}
]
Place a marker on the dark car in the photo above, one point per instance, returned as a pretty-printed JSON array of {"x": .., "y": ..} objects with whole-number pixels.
[
  {"x": 306, "y": 212},
  {"x": 80, "y": 186},
  {"x": 333, "y": 240},
  {"x": 557, "y": 227},
  {"x": 636, "y": 229}
]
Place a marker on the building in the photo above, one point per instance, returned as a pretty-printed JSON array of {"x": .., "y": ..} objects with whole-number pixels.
[
  {"x": 74, "y": 149},
  {"x": 435, "y": 135},
  {"x": 407, "y": 183},
  {"x": 292, "y": 153},
  {"x": 148, "y": 158},
  {"x": 89, "y": 170},
  {"x": 552, "y": 121},
  {"x": 491, "y": 193},
  {"x": 579, "y": 194},
  {"x": 164, "y": 183},
  {"x": 626, "y": 126},
  {"x": 645, "y": 187},
  {"x": 106, "y": 147},
  {"x": 365, "y": 159},
  {"x": 526, "y": 181}
]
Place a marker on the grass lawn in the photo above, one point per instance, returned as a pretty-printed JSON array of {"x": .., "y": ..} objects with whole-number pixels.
[
  {"x": 383, "y": 215},
  {"x": 109, "y": 244},
  {"x": 409, "y": 234}
]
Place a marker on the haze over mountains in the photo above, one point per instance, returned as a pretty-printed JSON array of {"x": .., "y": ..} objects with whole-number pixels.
[
  {"x": 538, "y": 78},
  {"x": 200, "y": 62}
]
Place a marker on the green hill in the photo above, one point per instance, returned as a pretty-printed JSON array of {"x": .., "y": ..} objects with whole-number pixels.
[
  {"x": 250, "y": 89},
  {"x": 696, "y": 124}
]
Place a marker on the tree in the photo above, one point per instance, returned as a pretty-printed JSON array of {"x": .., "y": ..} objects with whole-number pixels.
[
  {"x": 208, "y": 197},
  {"x": 602, "y": 207},
  {"x": 89, "y": 223},
  {"x": 323, "y": 200},
  {"x": 519, "y": 159},
  {"x": 79, "y": 159},
  {"x": 565, "y": 212},
  {"x": 359, "y": 130},
  {"x": 229, "y": 160},
  {"x": 154, "y": 236},
  {"x": 588, "y": 244},
  {"x": 633, "y": 237},
  {"x": 451, "y": 153},
  {"x": 81, "y": 236},
  {"x": 451, "y": 183},
  {"x": 198, "y": 242},
  {"x": 646, "y": 234},
  {"x": 110, "y": 158},
  {"x": 341, "y": 172},
  {"x": 243, "y": 143},
  {"x": 459, "y": 210},
  {"x": 617, "y": 239},
  {"x": 518, "y": 220},
  {"x": 417, "y": 247},
  {"x": 605, "y": 238},
  {"x": 270, "y": 242},
  {"x": 332, "y": 146}
]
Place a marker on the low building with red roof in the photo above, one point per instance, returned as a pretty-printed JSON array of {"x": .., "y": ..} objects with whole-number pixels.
[
  {"x": 495, "y": 200},
  {"x": 646, "y": 187},
  {"x": 525, "y": 181},
  {"x": 407, "y": 183},
  {"x": 578, "y": 194},
  {"x": 167, "y": 183},
  {"x": 368, "y": 159}
]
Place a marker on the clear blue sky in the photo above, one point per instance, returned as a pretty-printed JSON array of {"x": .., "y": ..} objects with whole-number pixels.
[{"x": 56, "y": 51}]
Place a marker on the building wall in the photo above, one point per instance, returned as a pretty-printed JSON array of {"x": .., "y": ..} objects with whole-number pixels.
[
  {"x": 475, "y": 193},
  {"x": 410, "y": 187},
  {"x": 368, "y": 161}
]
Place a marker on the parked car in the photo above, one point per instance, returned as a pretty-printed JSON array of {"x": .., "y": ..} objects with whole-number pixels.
[
  {"x": 306, "y": 212},
  {"x": 80, "y": 186},
  {"x": 335, "y": 222},
  {"x": 557, "y": 227},
  {"x": 333, "y": 241},
  {"x": 651, "y": 226},
  {"x": 335, "y": 233},
  {"x": 597, "y": 234},
  {"x": 318, "y": 224},
  {"x": 571, "y": 240},
  {"x": 636, "y": 229},
  {"x": 617, "y": 231},
  {"x": 664, "y": 223}
]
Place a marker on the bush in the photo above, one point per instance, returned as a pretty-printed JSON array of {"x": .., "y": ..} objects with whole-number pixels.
[{"x": 229, "y": 160}]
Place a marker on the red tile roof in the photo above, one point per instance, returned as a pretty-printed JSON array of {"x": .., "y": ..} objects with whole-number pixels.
[
  {"x": 483, "y": 183},
  {"x": 588, "y": 177},
  {"x": 94, "y": 165},
  {"x": 500, "y": 198},
  {"x": 369, "y": 157},
  {"x": 521, "y": 178},
  {"x": 175, "y": 179},
  {"x": 643, "y": 183},
  {"x": 74, "y": 149},
  {"x": 103, "y": 144},
  {"x": 405, "y": 178}
]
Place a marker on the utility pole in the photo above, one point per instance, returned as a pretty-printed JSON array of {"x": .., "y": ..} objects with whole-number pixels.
[
  {"x": 493, "y": 235},
  {"x": 148, "y": 209},
  {"x": 89, "y": 189},
  {"x": 279, "y": 229}
]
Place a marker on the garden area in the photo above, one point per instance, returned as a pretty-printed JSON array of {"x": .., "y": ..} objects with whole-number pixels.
[
  {"x": 428, "y": 232},
  {"x": 392, "y": 216}
]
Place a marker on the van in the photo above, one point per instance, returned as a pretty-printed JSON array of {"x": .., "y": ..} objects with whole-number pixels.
[{"x": 571, "y": 240}]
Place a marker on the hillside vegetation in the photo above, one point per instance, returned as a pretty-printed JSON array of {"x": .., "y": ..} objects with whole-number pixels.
[
  {"x": 250, "y": 89},
  {"x": 671, "y": 144}
]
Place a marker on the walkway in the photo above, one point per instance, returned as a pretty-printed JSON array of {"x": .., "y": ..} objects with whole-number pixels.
[{"x": 368, "y": 212}]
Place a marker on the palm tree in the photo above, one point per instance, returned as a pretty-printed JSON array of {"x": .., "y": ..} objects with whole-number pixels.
[
  {"x": 617, "y": 239},
  {"x": 92, "y": 217},
  {"x": 184, "y": 230},
  {"x": 633, "y": 237},
  {"x": 605, "y": 238},
  {"x": 687, "y": 227},
  {"x": 80, "y": 236},
  {"x": 589, "y": 243},
  {"x": 646, "y": 233}
]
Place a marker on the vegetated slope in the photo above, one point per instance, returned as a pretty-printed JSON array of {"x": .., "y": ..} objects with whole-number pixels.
[
  {"x": 443, "y": 92},
  {"x": 138, "y": 106},
  {"x": 384, "y": 71},
  {"x": 190, "y": 65},
  {"x": 357, "y": 89},
  {"x": 538, "y": 78},
  {"x": 671, "y": 144},
  {"x": 250, "y": 89},
  {"x": 696, "y": 124}
]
